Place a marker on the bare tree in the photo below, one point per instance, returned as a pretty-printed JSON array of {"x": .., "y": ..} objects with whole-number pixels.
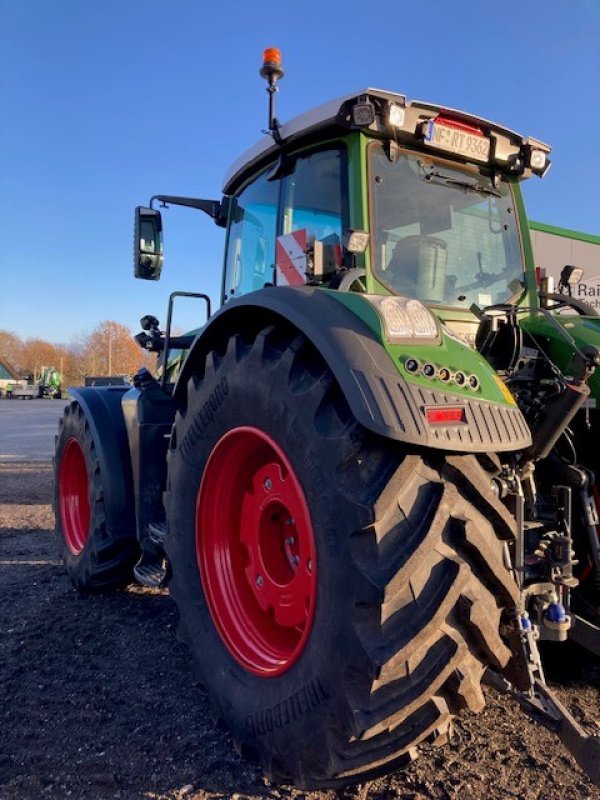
[
  {"x": 111, "y": 350},
  {"x": 108, "y": 350},
  {"x": 37, "y": 353},
  {"x": 11, "y": 349}
]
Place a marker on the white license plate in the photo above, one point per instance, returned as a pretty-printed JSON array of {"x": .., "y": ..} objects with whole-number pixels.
[{"x": 455, "y": 140}]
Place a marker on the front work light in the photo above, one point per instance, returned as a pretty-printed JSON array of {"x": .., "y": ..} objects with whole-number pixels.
[
  {"x": 405, "y": 319},
  {"x": 570, "y": 275},
  {"x": 363, "y": 114},
  {"x": 356, "y": 241},
  {"x": 396, "y": 115},
  {"x": 537, "y": 159}
]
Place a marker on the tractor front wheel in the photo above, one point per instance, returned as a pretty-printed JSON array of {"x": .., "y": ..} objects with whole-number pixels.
[
  {"x": 341, "y": 594},
  {"x": 95, "y": 556}
]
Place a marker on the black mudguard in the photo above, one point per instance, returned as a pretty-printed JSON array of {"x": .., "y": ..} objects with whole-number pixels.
[
  {"x": 104, "y": 415},
  {"x": 379, "y": 397}
]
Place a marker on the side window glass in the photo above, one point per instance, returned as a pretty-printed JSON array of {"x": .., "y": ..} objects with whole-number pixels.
[
  {"x": 252, "y": 233},
  {"x": 314, "y": 196}
]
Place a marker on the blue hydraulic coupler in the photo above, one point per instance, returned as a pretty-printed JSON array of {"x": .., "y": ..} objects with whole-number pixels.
[
  {"x": 556, "y": 613},
  {"x": 525, "y": 622}
]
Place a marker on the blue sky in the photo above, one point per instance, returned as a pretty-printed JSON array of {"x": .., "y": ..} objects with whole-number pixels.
[{"x": 104, "y": 104}]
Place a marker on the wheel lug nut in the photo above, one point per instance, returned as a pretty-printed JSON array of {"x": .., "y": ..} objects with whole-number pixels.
[
  {"x": 296, "y": 559},
  {"x": 268, "y": 485},
  {"x": 259, "y": 581},
  {"x": 290, "y": 521},
  {"x": 309, "y": 566},
  {"x": 290, "y": 540}
]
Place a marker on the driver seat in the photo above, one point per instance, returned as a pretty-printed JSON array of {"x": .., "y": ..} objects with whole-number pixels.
[{"x": 417, "y": 267}]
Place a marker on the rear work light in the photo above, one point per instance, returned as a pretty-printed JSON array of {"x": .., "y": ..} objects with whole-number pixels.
[
  {"x": 405, "y": 319},
  {"x": 445, "y": 416}
]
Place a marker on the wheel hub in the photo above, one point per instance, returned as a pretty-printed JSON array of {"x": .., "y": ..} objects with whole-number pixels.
[
  {"x": 74, "y": 502},
  {"x": 256, "y": 552}
]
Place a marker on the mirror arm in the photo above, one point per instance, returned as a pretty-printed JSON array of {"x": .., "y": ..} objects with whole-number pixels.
[
  {"x": 583, "y": 308},
  {"x": 214, "y": 208}
]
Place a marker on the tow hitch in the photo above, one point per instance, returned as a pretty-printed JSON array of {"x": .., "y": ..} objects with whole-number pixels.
[{"x": 542, "y": 705}]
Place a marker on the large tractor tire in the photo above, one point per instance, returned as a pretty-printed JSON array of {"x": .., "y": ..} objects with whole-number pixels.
[
  {"x": 96, "y": 557},
  {"x": 341, "y": 594}
]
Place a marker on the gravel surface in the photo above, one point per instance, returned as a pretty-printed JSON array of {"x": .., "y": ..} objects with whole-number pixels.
[{"x": 98, "y": 698}]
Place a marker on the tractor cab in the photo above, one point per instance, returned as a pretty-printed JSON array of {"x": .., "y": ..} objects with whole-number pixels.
[
  {"x": 424, "y": 199},
  {"x": 377, "y": 194}
]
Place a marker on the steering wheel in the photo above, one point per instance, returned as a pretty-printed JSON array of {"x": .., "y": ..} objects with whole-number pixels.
[{"x": 351, "y": 281}]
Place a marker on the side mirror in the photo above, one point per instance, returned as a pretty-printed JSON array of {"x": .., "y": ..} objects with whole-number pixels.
[{"x": 147, "y": 244}]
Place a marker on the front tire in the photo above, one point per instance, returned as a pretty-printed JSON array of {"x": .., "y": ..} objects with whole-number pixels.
[
  {"x": 409, "y": 583},
  {"x": 96, "y": 557}
]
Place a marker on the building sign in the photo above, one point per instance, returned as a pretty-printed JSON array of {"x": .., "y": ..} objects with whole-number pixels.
[{"x": 553, "y": 248}]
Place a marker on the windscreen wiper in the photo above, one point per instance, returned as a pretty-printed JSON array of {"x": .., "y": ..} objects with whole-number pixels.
[{"x": 434, "y": 176}]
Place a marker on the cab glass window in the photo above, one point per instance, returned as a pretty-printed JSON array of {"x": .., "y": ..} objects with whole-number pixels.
[
  {"x": 442, "y": 232},
  {"x": 314, "y": 196},
  {"x": 252, "y": 233}
]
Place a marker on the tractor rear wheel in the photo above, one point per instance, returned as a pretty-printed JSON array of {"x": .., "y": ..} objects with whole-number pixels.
[
  {"x": 96, "y": 557},
  {"x": 341, "y": 593}
]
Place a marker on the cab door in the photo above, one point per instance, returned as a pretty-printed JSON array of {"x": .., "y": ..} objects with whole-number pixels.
[{"x": 311, "y": 196}]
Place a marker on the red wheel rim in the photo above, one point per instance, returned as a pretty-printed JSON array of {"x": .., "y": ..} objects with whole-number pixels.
[
  {"x": 256, "y": 552},
  {"x": 73, "y": 497}
]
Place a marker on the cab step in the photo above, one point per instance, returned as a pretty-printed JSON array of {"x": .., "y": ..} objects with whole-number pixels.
[
  {"x": 157, "y": 532},
  {"x": 151, "y": 572}
]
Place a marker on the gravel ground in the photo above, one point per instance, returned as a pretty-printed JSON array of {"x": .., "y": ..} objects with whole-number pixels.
[{"x": 98, "y": 698}]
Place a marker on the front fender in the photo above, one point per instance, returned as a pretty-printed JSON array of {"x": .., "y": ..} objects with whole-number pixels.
[
  {"x": 104, "y": 414},
  {"x": 380, "y": 397}
]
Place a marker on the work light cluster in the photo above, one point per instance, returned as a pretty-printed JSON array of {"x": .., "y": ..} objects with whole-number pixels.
[{"x": 443, "y": 374}]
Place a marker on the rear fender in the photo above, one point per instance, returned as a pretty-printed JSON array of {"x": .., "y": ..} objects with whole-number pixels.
[
  {"x": 103, "y": 412},
  {"x": 380, "y": 398}
]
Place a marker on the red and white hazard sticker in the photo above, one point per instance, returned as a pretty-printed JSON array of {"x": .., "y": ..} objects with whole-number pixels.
[{"x": 290, "y": 258}]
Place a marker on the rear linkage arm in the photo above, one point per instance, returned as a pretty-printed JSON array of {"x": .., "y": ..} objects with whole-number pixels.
[
  {"x": 542, "y": 705},
  {"x": 529, "y": 686}
]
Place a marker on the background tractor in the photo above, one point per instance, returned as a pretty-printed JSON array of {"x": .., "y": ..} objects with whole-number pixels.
[
  {"x": 50, "y": 383},
  {"x": 368, "y": 479}
]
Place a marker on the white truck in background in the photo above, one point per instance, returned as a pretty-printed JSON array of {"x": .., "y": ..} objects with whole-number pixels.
[{"x": 22, "y": 390}]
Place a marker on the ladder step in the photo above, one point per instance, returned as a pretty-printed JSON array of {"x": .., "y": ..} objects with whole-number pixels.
[
  {"x": 151, "y": 574},
  {"x": 157, "y": 532}
]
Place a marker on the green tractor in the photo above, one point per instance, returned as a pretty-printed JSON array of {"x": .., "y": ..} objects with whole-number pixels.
[
  {"x": 50, "y": 383},
  {"x": 368, "y": 479}
]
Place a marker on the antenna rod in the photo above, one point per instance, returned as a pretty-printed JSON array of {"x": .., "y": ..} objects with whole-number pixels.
[{"x": 272, "y": 71}]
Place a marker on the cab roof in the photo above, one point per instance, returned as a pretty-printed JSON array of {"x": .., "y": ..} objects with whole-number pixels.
[{"x": 335, "y": 118}]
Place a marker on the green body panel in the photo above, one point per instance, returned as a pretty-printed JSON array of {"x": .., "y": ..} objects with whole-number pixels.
[
  {"x": 584, "y": 330},
  {"x": 450, "y": 353},
  {"x": 358, "y": 206},
  {"x": 530, "y": 298}
]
